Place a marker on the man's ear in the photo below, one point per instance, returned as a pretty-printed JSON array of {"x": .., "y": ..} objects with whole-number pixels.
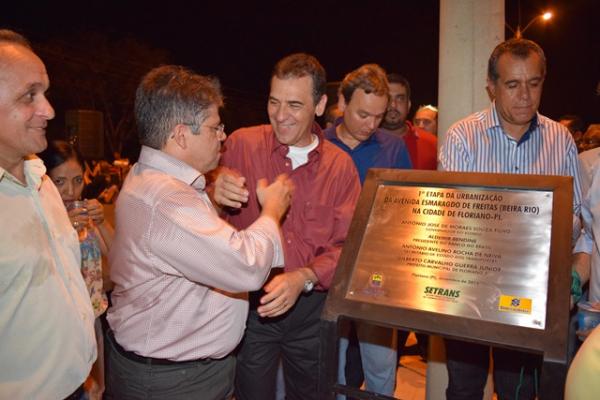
[
  {"x": 179, "y": 135},
  {"x": 321, "y": 106},
  {"x": 491, "y": 88},
  {"x": 341, "y": 103}
]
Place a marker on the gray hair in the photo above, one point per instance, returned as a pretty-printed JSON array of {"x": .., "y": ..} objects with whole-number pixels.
[
  {"x": 429, "y": 107},
  {"x": 520, "y": 48},
  {"x": 171, "y": 95}
]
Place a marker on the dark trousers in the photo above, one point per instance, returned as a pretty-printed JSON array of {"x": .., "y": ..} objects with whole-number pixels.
[
  {"x": 203, "y": 379},
  {"x": 468, "y": 365},
  {"x": 354, "y": 370},
  {"x": 293, "y": 338},
  {"x": 422, "y": 342}
]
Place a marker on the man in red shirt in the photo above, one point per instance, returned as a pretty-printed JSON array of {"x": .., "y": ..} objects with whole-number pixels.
[
  {"x": 421, "y": 145},
  {"x": 283, "y": 323}
]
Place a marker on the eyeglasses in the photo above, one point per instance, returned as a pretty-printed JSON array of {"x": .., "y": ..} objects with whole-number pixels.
[{"x": 219, "y": 129}]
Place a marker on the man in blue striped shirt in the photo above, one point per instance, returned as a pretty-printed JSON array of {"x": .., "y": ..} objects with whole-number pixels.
[{"x": 509, "y": 137}]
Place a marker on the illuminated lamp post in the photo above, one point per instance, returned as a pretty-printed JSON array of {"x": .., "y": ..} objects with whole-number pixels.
[{"x": 519, "y": 32}]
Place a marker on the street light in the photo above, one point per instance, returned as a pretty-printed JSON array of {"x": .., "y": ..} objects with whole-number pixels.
[{"x": 519, "y": 32}]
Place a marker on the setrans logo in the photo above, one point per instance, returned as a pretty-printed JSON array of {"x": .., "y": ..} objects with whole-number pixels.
[{"x": 431, "y": 291}]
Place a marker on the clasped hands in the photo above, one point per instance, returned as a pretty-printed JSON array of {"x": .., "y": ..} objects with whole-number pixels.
[
  {"x": 275, "y": 198},
  {"x": 230, "y": 190}
]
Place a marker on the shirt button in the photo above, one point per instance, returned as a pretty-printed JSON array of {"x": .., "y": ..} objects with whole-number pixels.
[
  {"x": 289, "y": 241},
  {"x": 287, "y": 164}
]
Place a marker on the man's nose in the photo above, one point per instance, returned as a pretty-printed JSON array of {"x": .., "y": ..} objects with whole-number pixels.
[
  {"x": 281, "y": 113},
  {"x": 45, "y": 109},
  {"x": 525, "y": 92},
  {"x": 373, "y": 122}
]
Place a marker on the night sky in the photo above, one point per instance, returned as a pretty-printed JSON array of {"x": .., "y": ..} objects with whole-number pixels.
[{"x": 239, "y": 41}]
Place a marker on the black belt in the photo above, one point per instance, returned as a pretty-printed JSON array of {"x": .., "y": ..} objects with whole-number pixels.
[
  {"x": 76, "y": 395},
  {"x": 130, "y": 355}
]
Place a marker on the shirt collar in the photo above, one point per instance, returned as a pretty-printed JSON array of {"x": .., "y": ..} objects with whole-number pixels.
[
  {"x": 412, "y": 131},
  {"x": 492, "y": 121},
  {"x": 283, "y": 148},
  {"x": 170, "y": 165},
  {"x": 331, "y": 135},
  {"x": 34, "y": 172},
  {"x": 331, "y": 132}
]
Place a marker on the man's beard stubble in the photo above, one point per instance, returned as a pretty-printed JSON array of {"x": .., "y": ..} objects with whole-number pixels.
[{"x": 392, "y": 125}]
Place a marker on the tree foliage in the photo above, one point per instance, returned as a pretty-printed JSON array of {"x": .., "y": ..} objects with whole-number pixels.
[{"x": 94, "y": 71}]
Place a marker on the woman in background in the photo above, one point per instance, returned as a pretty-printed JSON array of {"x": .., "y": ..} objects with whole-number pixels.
[{"x": 65, "y": 167}]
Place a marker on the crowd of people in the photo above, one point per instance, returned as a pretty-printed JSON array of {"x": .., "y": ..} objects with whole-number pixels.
[{"x": 224, "y": 247}]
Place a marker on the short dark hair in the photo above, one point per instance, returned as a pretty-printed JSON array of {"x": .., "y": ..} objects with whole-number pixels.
[
  {"x": 59, "y": 152},
  {"x": 397, "y": 78},
  {"x": 171, "y": 95},
  {"x": 369, "y": 77},
  {"x": 299, "y": 65},
  {"x": 520, "y": 48},
  {"x": 12, "y": 37}
]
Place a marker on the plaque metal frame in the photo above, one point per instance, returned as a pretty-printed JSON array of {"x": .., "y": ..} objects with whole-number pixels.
[{"x": 550, "y": 341}]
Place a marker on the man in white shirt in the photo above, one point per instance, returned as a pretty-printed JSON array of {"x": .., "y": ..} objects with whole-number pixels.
[
  {"x": 46, "y": 318},
  {"x": 510, "y": 136}
]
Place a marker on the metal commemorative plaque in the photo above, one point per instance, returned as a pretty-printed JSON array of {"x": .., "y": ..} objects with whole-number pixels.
[{"x": 471, "y": 252}]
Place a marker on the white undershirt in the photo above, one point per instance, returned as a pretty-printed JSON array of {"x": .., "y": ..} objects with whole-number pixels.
[{"x": 299, "y": 155}]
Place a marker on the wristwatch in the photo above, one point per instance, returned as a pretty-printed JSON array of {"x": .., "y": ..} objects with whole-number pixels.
[{"x": 308, "y": 286}]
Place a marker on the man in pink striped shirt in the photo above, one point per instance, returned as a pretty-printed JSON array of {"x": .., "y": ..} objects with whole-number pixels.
[{"x": 181, "y": 273}]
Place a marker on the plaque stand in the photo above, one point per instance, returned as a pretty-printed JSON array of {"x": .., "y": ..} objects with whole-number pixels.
[{"x": 380, "y": 277}]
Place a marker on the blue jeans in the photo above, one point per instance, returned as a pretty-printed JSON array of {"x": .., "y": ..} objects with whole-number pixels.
[{"x": 379, "y": 359}]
